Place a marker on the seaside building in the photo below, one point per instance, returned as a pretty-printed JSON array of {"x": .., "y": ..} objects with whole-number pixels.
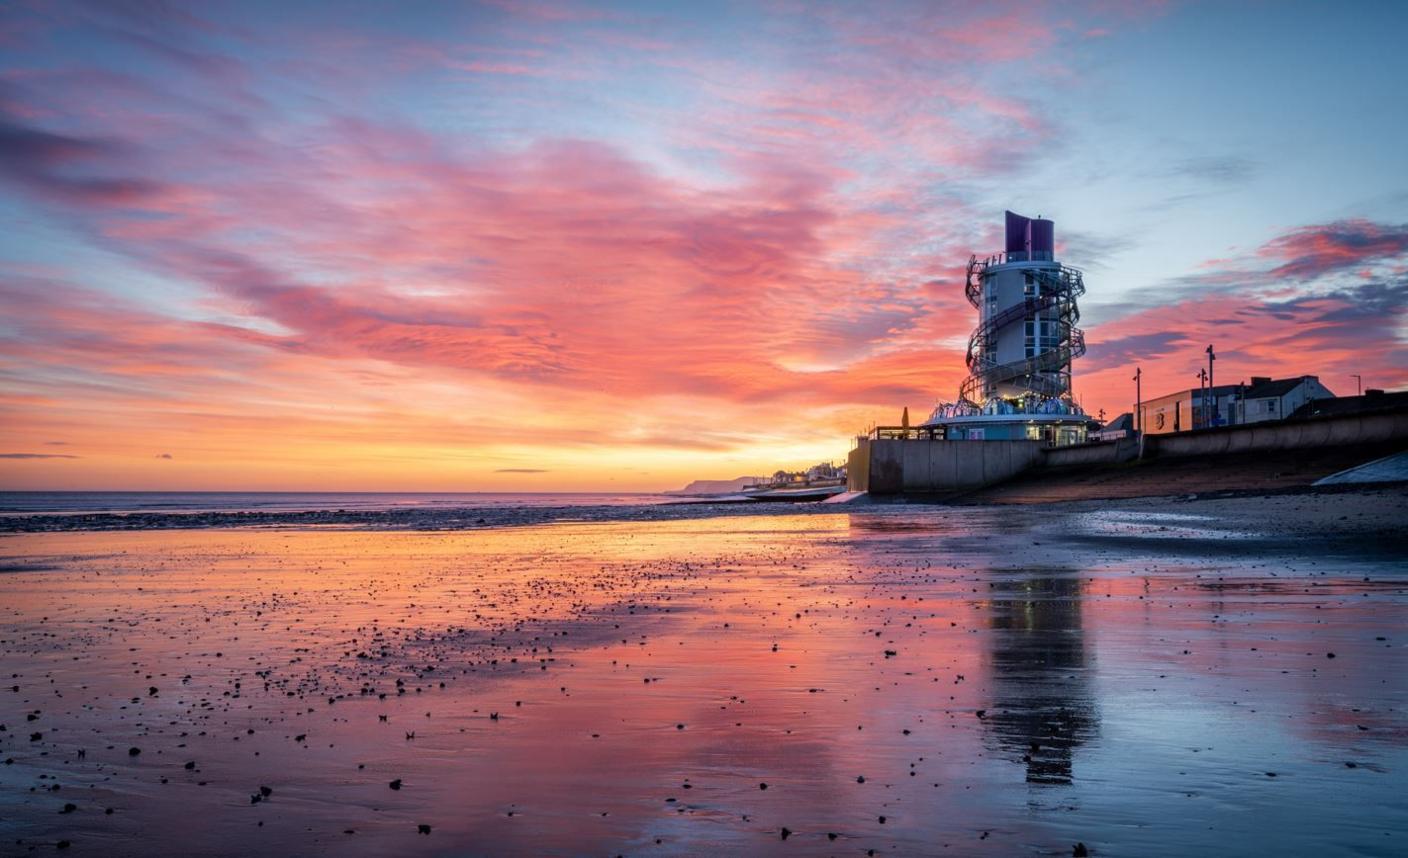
[
  {"x": 1019, "y": 356},
  {"x": 1276, "y": 399},
  {"x": 1262, "y": 399},
  {"x": 1120, "y": 427}
]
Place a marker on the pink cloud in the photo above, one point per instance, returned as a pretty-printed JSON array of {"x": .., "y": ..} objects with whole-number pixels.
[{"x": 1313, "y": 251}]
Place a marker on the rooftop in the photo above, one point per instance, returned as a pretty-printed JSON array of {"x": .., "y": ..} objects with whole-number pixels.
[
  {"x": 1266, "y": 388},
  {"x": 1342, "y": 405}
]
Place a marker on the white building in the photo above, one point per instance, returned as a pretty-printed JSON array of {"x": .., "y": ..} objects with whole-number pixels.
[
  {"x": 1261, "y": 399},
  {"x": 1274, "y": 399}
]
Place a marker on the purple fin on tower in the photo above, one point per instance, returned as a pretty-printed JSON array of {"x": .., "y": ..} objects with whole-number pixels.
[
  {"x": 1018, "y": 233},
  {"x": 1043, "y": 236}
]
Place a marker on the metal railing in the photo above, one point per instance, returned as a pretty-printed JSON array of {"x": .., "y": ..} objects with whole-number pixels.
[{"x": 1043, "y": 374}]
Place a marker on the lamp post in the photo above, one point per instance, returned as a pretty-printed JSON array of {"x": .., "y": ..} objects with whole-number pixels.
[
  {"x": 1202, "y": 397},
  {"x": 1211, "y": 396},
  {"x": 1138, "y": 402},
  {"x": 1358, "y": 384}
]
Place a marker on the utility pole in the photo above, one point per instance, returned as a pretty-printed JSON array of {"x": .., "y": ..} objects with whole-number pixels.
[
  {"x": 1211, "y": 357},
  {"x": 1358, "y": 384},
  {"x": 1138, "y": 402}
]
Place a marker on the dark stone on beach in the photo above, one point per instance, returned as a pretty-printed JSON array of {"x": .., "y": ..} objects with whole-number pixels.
[
  {"x": 423, "y": 828},
  {"x": 1079, "y": 851},
  {"x": 762, "y": 786},
  {"x": 62, "y": 844},
  {"x": 132, "y": 752},
  {"x": 786, "y": 833},
  {"x": 190, "y": 765},
  {"x": 265, "y": 791},
  {"x": 396, "y": 784},
  {"x": 860, "y": 779},
  {"x": 35, "y": 737},
  {"x": 69, "y": 808},
  {"x": 831, "y": 835}
]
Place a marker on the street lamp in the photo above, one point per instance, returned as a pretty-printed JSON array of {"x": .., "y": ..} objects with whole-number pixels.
[
  {"x": 1211, "y": 396},
  {"x": 1358, "y": 384},
  {"x": 1202, "y": 396},
  {"x": 1138, "y": 402}
]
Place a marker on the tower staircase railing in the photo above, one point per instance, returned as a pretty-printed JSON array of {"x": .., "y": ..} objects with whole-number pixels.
[{"x": 1043, "y": 373}]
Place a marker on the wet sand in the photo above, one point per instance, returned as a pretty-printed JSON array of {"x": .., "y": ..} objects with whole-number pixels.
[{"x": 1151, "y": 677}]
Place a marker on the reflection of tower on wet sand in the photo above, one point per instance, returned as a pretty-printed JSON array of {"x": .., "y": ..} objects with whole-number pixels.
[{"x": 1042, "y": 703}]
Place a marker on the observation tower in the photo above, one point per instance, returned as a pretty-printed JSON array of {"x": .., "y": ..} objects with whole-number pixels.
[{"x": 1020, "y": 354}]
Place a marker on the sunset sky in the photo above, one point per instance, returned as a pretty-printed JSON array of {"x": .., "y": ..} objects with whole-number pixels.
[{"x": 539, "y": 246}]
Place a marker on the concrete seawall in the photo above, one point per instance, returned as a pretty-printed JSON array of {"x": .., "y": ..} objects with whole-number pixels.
[
  {"x": 893, "y": 466},
  {"x": 1105, "y": 453},
  {"x": 1287, "y": 435}
]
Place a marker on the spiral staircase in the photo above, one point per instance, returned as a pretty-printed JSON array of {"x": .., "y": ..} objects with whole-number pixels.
[{"x": 1045, "y": 374}]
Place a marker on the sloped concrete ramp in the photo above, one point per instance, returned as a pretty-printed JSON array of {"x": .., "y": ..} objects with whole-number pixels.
[{"x": 1389, "y": 469}]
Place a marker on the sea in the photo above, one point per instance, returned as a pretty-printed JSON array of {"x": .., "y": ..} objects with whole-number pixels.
[
  {"x": 58, "y": 503},
  {"x": 59, "y": 511}
]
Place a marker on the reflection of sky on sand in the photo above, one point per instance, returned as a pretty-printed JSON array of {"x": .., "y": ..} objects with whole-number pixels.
[{"x": 1133, "y": 703}]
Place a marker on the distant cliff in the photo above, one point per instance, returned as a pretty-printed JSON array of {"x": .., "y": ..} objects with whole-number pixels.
[{"x": 716, "y": 487}]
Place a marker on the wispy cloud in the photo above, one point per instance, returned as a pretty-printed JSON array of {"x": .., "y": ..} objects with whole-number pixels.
[{"x": 36, "y": 456}]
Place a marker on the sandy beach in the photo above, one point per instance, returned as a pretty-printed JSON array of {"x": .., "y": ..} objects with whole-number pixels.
[{"x": 1143, "y": 677}]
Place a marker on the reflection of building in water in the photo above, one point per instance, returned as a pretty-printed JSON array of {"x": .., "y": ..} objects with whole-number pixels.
[{"x": 1042, "y": 705}]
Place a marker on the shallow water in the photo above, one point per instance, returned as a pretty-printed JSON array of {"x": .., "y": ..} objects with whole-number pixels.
[
  {"x": 19, "y": 504},
  {"x": 1003, "y": 682}
]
